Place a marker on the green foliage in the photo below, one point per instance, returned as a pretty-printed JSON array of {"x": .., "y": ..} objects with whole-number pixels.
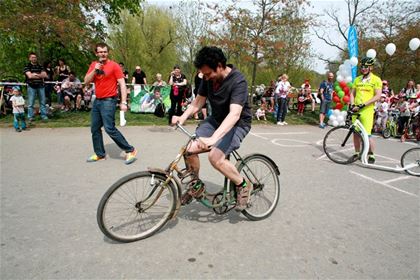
[{"x": 148, "y": 40}]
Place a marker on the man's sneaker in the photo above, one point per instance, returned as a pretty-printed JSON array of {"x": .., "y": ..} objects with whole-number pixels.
[
  {"x": 94, "y": 158},
  {"x": 280, "y": 123},
  {"x": 243, "y": 195},
  {"x": 322, "y": 125},
  {"x": 131, "y": 157},
  {"x": 18, "y": 130},
  {"x": 285, "y": 123},
  {"x": 371, "y": 159},
  {"x": 195, "y": 190}
]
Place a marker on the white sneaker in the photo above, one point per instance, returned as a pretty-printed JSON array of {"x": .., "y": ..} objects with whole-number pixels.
[
  {"x": 280, "y": 123},
  {"x": 285, "y": 123}
]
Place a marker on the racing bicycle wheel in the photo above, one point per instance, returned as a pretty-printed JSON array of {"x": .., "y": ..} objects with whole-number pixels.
[
  {"x": 411, "y": 157},
  {"x": 339, "y": 144},
  {"x": 136, "y": 206},
  {"x": 264, "y": 176}
]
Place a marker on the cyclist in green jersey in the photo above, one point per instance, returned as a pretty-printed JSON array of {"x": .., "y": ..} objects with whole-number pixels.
[{"x": 366, "y": 90}]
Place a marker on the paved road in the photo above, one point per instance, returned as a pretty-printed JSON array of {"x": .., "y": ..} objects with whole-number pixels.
[{"x": 332, "y": 221}]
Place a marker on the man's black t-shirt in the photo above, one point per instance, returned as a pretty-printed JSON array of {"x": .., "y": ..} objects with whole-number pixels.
[
  {"x": 139, "y": 77},
  {"x": 37, "y": 68},
  {"x": 233, "y": 90}
]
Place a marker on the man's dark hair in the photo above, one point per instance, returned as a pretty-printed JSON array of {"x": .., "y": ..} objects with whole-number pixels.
[
  {"x": 31, "y": 53},
  {"x": 72, "y": 73},
  {"x": 210, "y": 56},
  {"x": 101, "y": 45},
  {"x": 122, "y": 64}
]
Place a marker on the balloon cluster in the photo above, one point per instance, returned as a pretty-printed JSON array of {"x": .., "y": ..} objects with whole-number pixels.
[
  {"x": 344, "y": 70},
  {"x": 341, "y": 95},
  {"x": 337, "y": 117}
]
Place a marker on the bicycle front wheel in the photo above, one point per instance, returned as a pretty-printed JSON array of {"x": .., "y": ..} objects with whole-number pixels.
[
  {"x": 136, "y": 206},
  {"x": 262, "y": 173},
  {"x": 339, "y": 144},
  {"x": 411, "y": 157}
]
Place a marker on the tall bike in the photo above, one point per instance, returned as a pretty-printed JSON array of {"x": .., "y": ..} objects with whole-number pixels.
[
  {"x": 140, "y": 204},
  {"x": 339, "y": 147}
]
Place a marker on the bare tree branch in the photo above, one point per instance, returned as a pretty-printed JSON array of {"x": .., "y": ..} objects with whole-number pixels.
[{"x": 328, "y": 42}]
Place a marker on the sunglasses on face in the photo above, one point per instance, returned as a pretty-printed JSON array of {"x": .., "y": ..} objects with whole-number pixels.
[{"x": 364, "y": 67}]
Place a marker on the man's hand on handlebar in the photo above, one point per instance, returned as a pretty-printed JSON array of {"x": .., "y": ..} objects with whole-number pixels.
[
  {"x": 356, "y": 108},
  {"x": 175, "y": 120}
]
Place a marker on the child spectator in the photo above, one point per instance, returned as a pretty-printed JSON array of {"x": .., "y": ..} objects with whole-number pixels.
[
  {"x": 404, "y": 108},
  {"x": 261, "y": 112},
  {"x": 18, "y": 104},
  {"x": 381, "y": 109},
  {"x": 301, "y": 103}
]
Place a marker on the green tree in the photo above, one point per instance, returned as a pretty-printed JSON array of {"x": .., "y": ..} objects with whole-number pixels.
[
  {"x": 271, "y": 34},
  {"x": 148, "y": 40}
]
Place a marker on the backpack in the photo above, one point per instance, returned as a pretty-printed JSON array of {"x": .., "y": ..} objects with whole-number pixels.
[{"x": 160, "y": 110}]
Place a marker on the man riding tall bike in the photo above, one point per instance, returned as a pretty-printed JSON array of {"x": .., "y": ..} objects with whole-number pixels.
[
  {"x": 367, "y": 89},
  {"x": 222, "y": 132}
]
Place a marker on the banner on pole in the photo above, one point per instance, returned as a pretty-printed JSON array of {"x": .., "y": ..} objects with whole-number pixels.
[
  {"x": 144, "y": 98},
  {"x": 353, "y": 48}
]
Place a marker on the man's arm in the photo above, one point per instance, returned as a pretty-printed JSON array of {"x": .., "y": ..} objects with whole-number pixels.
[
  {"x": 123, "y": 90},
  {"x": 375, "y": 98},
  {"x": 145, "y": 81},
  {"x": 90, "y": 75}
]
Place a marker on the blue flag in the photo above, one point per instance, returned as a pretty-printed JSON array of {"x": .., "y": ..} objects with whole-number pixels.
[{"x": 353, "y": 48}]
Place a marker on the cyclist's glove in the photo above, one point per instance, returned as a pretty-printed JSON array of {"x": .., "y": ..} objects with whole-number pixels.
[{"x": 361, "y": 106}]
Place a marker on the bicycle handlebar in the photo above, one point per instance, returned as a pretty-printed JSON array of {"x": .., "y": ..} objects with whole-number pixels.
[{"x": 185, "y": 131}]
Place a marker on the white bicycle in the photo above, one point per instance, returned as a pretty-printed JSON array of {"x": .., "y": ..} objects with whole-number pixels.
[{"x": 339, "y": 147}]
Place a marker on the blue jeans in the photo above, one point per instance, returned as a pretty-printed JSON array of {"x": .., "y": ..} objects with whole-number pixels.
[
  {"x": 103, "y": 114},
  {"x": 281, "y": 114},
  {"x": 19, "y": 117},
  {"x": 32, "y": 92}
]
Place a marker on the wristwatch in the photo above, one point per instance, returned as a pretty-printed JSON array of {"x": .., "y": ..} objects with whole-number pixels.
[{"x": 125, "y": 103}]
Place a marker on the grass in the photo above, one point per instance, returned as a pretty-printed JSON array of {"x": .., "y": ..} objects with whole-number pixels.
[{"x": 82, "y": 119}]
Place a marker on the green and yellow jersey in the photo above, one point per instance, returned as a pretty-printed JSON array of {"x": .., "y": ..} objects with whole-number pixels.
[{"x": 365, "y": 90}]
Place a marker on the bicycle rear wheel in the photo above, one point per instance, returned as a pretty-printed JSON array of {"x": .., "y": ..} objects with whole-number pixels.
[
  {"x": 264, "y": 176},
  {"x": 411, "y": 156},
  {"x": 339, "y": 145},
  {"x": 136, "y": 206}
]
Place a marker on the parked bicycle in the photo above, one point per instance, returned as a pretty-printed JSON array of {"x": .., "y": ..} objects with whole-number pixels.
[
  {"x": 339, "y": 147},
  {"x": 140, "y": 204},
  {"x": 411, "y": 131},
  {"x": 391, "y": 128}
]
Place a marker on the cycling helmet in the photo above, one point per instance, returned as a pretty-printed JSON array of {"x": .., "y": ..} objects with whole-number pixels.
[{"x": 367, "y": 61}]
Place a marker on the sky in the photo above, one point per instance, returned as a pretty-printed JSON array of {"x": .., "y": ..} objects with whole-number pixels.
[{"x": 317, "y": 45}]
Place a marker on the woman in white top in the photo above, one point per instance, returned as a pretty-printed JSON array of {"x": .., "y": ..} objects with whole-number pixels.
[{"x": 281, "y": 92}]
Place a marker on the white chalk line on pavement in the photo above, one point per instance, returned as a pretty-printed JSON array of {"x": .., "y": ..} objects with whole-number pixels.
[
  {"x": 397, "y": 179},
  {"x": 275, "y": 142},
  {"x": 382, "y": 183}
]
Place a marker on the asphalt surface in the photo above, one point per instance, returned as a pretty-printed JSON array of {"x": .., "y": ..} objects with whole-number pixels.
[{"x": 332, "y": 221}]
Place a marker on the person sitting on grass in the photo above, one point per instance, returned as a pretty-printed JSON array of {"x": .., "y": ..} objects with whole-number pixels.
[{"x": 72, "y": 90}]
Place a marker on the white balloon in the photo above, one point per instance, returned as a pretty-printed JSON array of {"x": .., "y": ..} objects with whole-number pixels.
[
  {"x": 335, "y": 123},
  {"x": 341, "y": 67},
  {"x": 348, "y": 79},
  {"x": 390, "y": 48},
  {"x": 340, "y": 118},
  {"x": 342, "y": 123},
  {"x": 333, "y": 118},
  {"x": 344, "y": 114},
  {"x": 330, "y": 122},
  {"x": 340, "y": 78},
  {"x": 371, "y": 53},
  {"x": 336, "y": 112},
  {"x": 354, "y": 61},
  {"x": 414, "y": 44},
  {"x": 347, "y": 63}
]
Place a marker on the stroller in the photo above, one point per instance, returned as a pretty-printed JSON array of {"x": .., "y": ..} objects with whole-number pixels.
[{"x": 6, "y": 94}]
